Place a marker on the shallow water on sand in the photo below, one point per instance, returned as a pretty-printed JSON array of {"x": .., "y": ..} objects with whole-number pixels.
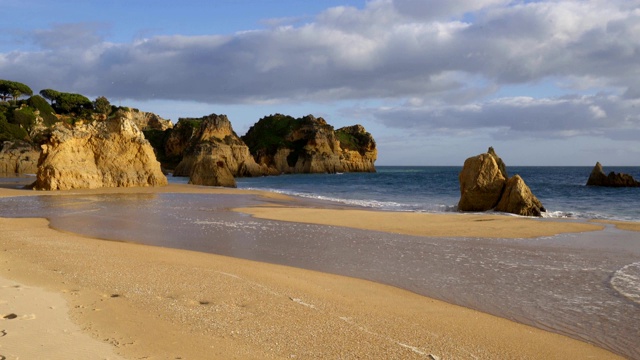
[{"x": 582, "y": 285}]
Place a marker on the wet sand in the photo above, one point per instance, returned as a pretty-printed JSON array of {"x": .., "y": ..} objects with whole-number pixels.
[{"x": 166, "y": 303}]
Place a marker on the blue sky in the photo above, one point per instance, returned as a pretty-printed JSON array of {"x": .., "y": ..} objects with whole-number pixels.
[{"x": 543, "y": 82}]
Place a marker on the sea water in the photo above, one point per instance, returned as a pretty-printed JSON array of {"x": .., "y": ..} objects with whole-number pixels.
[{"x": 562, "y": 190}]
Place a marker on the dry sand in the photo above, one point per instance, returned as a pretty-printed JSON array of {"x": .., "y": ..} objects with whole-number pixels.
[{"x": 156, "y": 303}]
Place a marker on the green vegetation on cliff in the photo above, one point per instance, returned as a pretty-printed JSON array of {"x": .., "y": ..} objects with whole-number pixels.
[
  {"x": 351, "y": 138},
  {"x": 18, "y": 117},
  {"x": 270, "y": 133}
]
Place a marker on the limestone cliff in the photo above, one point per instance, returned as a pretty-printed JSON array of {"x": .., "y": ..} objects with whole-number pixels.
[
  {"x": 109, "y": 153},
  {"x": 484, "y": 186},
  {"x": 214, "y": 154},
  {"x": 358, "y": 149},
  {"x": 18, "y": 157},
  {"x": 310, "y": 145},
  {"x": 144, "y": 120}
]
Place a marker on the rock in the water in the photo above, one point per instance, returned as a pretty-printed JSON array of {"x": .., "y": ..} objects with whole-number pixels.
[
  {"x": 310, "y": 145},
  {"x": 213, "y": 152},
  {"x": 358, "y": 149},
  {"x": 18, "y": 157},
  {"x": 209, "y": 169},
  {"x": 599, "y": 178},
  {"x": 518, "y": 199},
  {"x": 109, "y": 153},
  {"x": 481, "y": 183},
  {"x": 484, "y": 186}
]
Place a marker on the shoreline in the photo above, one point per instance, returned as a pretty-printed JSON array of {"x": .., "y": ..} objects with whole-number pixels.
[{"x": 287, "y": 297}]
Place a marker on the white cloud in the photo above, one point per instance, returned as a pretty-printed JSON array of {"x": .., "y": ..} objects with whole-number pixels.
[
  {"x": 443, "y": 60},
  {"x": 599, "y": 115}
]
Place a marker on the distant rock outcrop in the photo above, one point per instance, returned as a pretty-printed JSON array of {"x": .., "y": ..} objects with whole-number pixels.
[
  {"x": 18, "y": 157},
  {"x": 109, "y": 153},
  {"x": 599, "y": 178},
  {"x": 484, "y": 186},
  {"x": 214, "y": 154},
  {"x": 309, "y": 145}
]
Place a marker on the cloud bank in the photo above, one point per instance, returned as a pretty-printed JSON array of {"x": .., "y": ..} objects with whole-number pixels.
[{"x": 437, "y": 66}]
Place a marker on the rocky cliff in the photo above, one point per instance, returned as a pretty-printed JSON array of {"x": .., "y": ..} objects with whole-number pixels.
[
  {"x": 213, "y": 154},
  {"x": 18, "y": 157},
  {"x": 310, "y": 145},
  {"x": 144, "y": 120},
  {"x": 484, "y": 186},
  {"x": 599, "y": 178},
  {"x": 109, "y": 153}
]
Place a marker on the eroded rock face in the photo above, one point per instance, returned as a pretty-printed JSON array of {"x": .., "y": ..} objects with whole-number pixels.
[
  {"x": 518, "y": 199},
  {"x": 358, "y": 149},
  {"x": 213, "y": 152},
  {"x": 18, "y": 157},
  {"x": 481, "y": 183},
  {"x": 145, "y": 120},
  {"x": 109, "y": 153},
  {"x": 208, "y": 168},
  {"x": 309, "y": 145},
  {"x": 484, "y": 186},
  {"x": 599, "y": 178}
]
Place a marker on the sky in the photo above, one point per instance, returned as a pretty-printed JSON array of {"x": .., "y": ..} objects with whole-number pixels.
[{"x": 435, "y": 82}]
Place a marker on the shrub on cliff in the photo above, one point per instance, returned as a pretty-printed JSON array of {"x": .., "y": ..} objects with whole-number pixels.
[
  {"x": 10, "y": 132},
  {"x": 46, "y": 111},
  {"x": 102, "y": 105}
]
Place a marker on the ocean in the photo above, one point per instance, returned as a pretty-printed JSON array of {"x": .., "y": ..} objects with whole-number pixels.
[{"x": 561, "y": 190}]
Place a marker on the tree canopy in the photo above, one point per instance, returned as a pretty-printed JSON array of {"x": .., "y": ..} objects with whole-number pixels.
[
  {"x": 49, "y": 94},
  {"x": 66, "y": 102},
  {"x": 13, "y": 89}
]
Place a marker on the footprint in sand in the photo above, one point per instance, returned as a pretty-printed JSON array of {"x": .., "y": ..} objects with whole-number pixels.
[
  {"x": 3, "y": 333},
  {"x": 10, "y": 316}
]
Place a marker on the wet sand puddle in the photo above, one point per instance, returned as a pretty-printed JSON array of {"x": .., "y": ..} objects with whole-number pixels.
[{"x": 582, "y": 285}]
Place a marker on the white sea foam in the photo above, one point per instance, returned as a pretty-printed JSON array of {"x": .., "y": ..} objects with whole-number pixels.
[
  {"x": 370, "y": 203},
  {"x": 626, "y": 281}
]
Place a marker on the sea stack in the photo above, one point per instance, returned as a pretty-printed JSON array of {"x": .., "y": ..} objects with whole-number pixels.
[
  {"x": 214, "y": 155},
  {"x": 287, "y": 145},
  {"x": 484, "y": 186},
  {"x": 599, "y": 178}
]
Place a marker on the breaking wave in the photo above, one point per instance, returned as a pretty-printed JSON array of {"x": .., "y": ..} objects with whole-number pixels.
[{"x": 626, "y": 281}]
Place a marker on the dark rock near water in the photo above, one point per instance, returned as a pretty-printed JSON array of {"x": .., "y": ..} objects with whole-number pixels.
[{"x": 599, "y": 178}]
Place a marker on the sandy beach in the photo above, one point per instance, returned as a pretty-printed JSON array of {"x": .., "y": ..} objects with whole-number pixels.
[{"x": 112, "y": 300}]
